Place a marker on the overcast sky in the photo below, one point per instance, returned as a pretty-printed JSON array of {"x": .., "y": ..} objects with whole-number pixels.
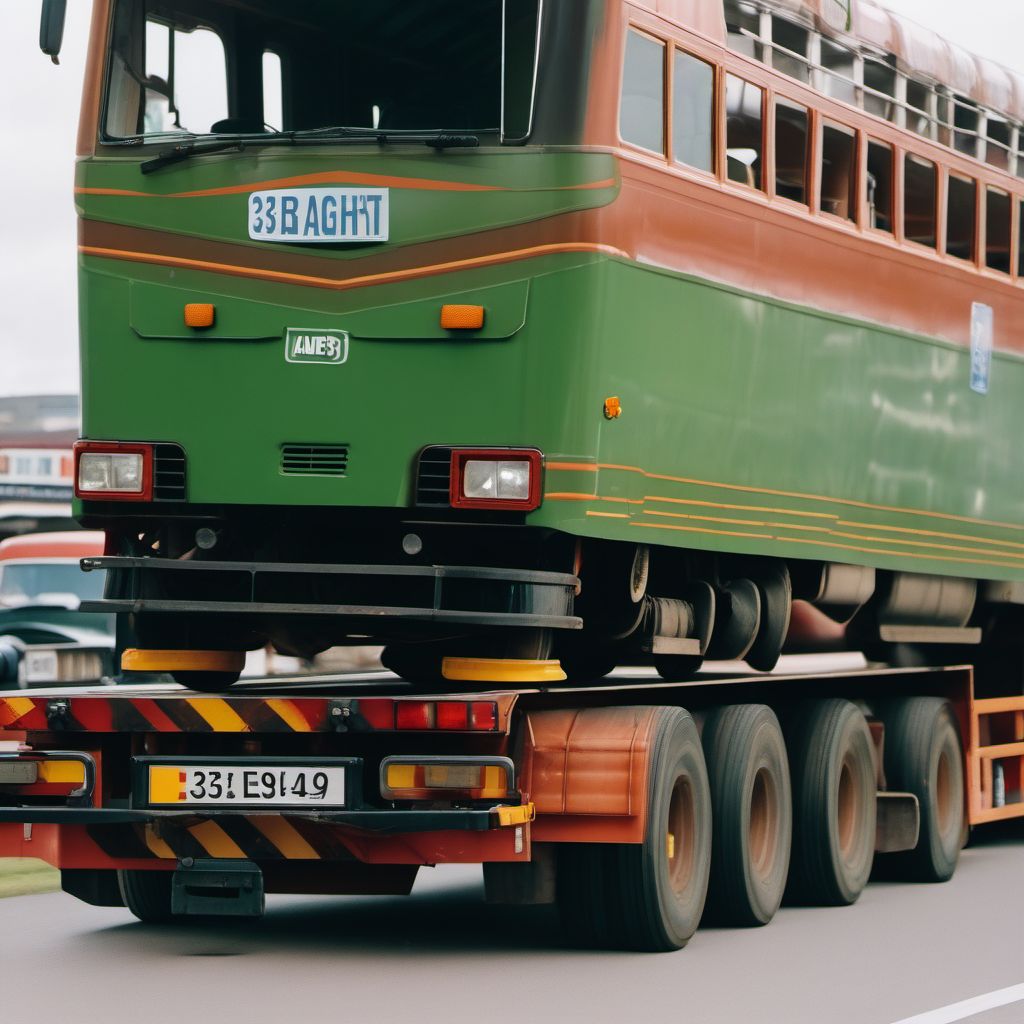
[{"x": 38, "y": 345}]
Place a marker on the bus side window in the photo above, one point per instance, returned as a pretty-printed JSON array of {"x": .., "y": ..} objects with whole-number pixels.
[
  {"x": 879, "y": 186},
  {"x": 961, "y": 218},
  {"x": 693, "y": 112},
  {"x": 998, "y": 214},
  {"x": 642, "y": 117},
  {"x": 792, "y": 146},
  {"x": 1020, "y": 239},
  {"x": 839, "y": 172},
  {"x": 744, "y": 126},
  {"x": 919, "y": 201}
]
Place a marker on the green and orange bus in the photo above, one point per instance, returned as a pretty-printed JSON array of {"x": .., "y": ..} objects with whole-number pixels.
[{"x": 531, "y": 339}]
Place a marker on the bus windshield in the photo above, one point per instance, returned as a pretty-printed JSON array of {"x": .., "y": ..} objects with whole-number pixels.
[{"x": 220, "y": 67}]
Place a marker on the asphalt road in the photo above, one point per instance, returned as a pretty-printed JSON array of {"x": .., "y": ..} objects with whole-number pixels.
[{"x": 442, "y": 955}]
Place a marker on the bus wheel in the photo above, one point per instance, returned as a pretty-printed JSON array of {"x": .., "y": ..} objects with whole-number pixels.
[
  {"x": 206, "y": 682},
  {"x": 147, "y": 894},
  {"x": 924, "y": 756},
  {"x": 752, "y": 811},
  {"x": 648, "y": 896},
  {"x": 834, "y": 803}
]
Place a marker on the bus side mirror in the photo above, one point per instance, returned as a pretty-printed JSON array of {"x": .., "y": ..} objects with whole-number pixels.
[{"x": 51, "y": 28}]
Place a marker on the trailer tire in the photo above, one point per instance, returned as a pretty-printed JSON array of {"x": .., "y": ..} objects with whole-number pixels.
[
  {"x": 752, "y": 811},
  {"x": 648, "y": 896},
  {"x": 832, "y": 765},
  {"x": 924, "y": 756},
  {"x": 147, "y": 894}
]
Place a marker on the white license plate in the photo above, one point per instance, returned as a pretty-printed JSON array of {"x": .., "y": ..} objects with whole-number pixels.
[
  {"x": 320, "y": 215},
  {"x": 250, "y": 786}
]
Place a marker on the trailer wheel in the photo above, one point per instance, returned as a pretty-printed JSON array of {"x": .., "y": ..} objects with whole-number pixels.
[
  {"x": 834, "y": 803},
  {"x": 648, "y": 896},
  {"x": 924, "y": 756},
  {"x": 752, "y": 811},
  {"x": 147, "y": 894}
]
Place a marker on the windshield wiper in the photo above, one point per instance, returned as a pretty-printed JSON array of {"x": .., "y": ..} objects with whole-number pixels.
[
  {"x": 313, "y": 136},
  {"x": 185, "y": 150},
  {"x": 436, "y": 139}
]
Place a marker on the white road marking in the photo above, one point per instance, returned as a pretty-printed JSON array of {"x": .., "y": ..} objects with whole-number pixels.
[{"x": 969, "y": 1007}]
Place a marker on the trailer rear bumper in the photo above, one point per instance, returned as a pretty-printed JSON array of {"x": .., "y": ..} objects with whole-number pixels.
[
  {"x": 383, "y": 822},
  {"x": 115, "y": 838}
]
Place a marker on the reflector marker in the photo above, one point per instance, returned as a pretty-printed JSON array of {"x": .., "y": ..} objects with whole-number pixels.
[
  {"x": 13, "y": 708},
  {"x": 157, "y": 846},
  {"x": 217, "y": 842},
  {"x": 281, "y": 833},
  {"x": 289, "y": 714},
  {"x": 219, "y": 714}
]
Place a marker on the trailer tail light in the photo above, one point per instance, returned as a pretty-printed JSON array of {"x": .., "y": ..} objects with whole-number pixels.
[
  {"x": 431, "y": 778},
  {"x": 450, "y": 715},
  {"x": 498, "y": 478},
  {"x": 68, "y": 774},
  {"x": 113, "y": 471}
]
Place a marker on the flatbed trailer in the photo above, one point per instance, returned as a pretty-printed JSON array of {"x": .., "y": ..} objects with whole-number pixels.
[{"x": 561, "y": 792}]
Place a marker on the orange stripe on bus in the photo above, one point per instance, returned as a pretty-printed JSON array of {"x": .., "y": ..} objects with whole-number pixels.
[
  {"x": 413, "y": 273},
  {"x": 826, "y": 544},
  {"x": 340, "y": 178},
  {"x": 589, "y": 467}
]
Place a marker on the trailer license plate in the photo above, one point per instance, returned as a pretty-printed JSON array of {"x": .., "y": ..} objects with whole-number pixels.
[{"x": 257, "y": 786}]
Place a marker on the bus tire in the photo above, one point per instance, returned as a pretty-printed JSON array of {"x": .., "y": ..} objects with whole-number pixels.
[
  {"x": 147, "y": 894},
  {"x": 752, "y": 812},
  {"x": 924, "y": 756},
  {"x": 648, "y": 896},
  {"x": 207, "y": 682},
  {"x": 832, "y": 765}
]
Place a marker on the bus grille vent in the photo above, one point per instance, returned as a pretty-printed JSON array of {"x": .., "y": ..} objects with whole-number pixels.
[
  {"x": 169, "y": 473},
  {"x": 314, "y": 459},
  {"x": 433, "y": 478}
]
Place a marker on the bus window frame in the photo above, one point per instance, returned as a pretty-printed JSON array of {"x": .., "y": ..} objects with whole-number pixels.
[
  {"x": 809, "y": 152},
  {"x": 716, "y": 112},
  {"x": 938, "y": 206},
  {"x": 987, "y": 188},
  {"x": 946, "y": 185},
  {"x": 857, "y": 171},
  {"x": 767, "y": 155},
  {"x": 668, "y": 48}
]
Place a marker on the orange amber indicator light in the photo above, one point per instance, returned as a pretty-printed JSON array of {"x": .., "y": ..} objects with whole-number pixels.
[
  {"x": 200, "y": 314},
  {"x": 462, "y": 318}
]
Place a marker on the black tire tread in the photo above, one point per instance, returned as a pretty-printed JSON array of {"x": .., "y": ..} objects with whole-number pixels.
[
  {"x": 147, "y": 894},
  {"x": 608, "y": 893},
  {"x": 911, "y": 727},
  {"x": 729, "y": 736},
  {"x": 811, "y": 731}
]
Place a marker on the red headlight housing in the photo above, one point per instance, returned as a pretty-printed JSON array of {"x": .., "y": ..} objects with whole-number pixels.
[
  {"x": 501, "y": 479},
  {"x": 113, "y": 471}
]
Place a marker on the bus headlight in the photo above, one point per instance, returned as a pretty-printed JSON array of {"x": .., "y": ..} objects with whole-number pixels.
[
  {"x": 507, "y": 479},
  {"x": 116, "y": 471}
]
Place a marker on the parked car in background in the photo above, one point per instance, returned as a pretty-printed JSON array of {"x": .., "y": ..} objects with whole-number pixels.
[{"x": 44, "y": 638}]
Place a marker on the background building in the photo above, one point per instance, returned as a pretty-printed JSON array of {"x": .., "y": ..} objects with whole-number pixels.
[{"x": 36, "y": 465}]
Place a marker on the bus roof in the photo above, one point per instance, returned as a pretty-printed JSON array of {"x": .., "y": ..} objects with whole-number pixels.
[{"x": 867, "y": 25}]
